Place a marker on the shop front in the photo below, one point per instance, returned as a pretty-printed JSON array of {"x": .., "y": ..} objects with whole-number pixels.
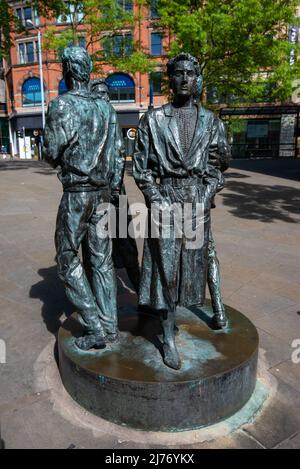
[
  {"x": 4, "y": 136},
  {"x": 263, "y": 132},
  {"x": 27, "y": 130}
]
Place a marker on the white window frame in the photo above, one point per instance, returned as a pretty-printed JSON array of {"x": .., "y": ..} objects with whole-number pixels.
[
  {"x": 35, "y": 51},
  {"x": 79, "y": 16},
  {"x": 35, "y": 18}
]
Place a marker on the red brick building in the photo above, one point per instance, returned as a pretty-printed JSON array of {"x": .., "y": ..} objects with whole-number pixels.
[
  {"x": 267, "y": 130},
  {"x": 129, "y": 93}
]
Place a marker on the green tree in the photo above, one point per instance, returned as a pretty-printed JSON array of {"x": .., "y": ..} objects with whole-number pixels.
[
  {"x": 242, "y": 45},
  {"x": 100, "y": 21},
  {"x": 7, "y": 23}
]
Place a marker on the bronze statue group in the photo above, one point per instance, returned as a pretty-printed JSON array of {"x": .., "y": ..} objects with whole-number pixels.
[{"x": 180, "y": 154}]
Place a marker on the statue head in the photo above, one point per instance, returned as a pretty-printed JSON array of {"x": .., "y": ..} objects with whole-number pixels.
[
  {"x": 99, "y": 89},
  {"x": 185, "y": 77},
  {"x": 77, "y": 65}
]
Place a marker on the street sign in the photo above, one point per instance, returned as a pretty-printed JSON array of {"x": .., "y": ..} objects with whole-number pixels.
[{"x": 131, "y": 134}]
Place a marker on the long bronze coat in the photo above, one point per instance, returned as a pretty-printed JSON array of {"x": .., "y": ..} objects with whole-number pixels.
[{"x": 172, "y": 274}]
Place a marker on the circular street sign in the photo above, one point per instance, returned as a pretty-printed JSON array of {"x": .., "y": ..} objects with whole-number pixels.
[{"x": 131, "y": 133}]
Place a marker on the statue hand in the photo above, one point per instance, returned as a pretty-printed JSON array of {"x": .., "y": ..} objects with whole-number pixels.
[{"x": 210, "y": 190}]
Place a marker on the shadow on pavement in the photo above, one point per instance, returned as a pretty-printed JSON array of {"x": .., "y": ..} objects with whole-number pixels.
[
  {"x": 50, "y": 290},
  {"x": 287, "y": 168},
  {"x": 261, "y": 202},
  {"x": 46, "y": 172},
  {"x": 235, "y": 175},
  {"x": 129, "y": 168},
  {"x": 11, "y": 165},
  {"x": 55, "y": 304}
]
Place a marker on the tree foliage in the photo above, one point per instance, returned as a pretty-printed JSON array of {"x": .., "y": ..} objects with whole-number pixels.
[
  {"x": 99, "y": 21},
  {"x": 7, "y": 22},
  {"x": 242, "y": 45}
]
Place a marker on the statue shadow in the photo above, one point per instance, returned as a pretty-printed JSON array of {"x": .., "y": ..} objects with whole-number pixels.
[
  {"x": 149, "y": 327},
  {"x": 129, "y": 168},
  {"x": 55, "y": 304},
  {"x": 286, "y": 168},
  {"x": 143, "y": 322},
  {"x": 56, "y": 307},
  {"x": 202, "y": 315},
  {"x": 13, "y": 165},
  {"x": 235, "y": 175}
]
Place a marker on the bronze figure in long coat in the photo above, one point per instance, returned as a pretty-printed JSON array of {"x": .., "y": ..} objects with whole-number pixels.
[{"x": 172, "y": 156}]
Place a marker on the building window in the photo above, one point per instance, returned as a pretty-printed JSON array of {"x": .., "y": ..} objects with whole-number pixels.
[
  {"x": 121, "y": 88},
  {"x": 118, "y": 45},
  {"x": 31, "y": 92},
  {"x": 153, "y": 9},
  {"x": 156, "y": 44},
  {"x": 156, "y": 81},
  {"x": 28, "y": 13},
  {"x": 28, "y": 52},
  {"x": 126, "y": 5},
  {"x": 82, "y": 42},
  {"x": 62, "y": 87},
  {"x": 22, "y": 59},
  {"x": 73, "y": 14}
]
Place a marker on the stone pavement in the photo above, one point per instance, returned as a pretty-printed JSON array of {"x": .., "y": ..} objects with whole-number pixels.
[{"x": 256, "y": 226}]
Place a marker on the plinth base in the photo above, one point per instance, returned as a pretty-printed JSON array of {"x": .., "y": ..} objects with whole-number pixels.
[{"x": 128, "y": 384}]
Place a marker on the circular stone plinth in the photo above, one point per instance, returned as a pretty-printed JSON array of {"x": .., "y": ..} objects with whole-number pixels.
[{"x": 127, "y": 383}]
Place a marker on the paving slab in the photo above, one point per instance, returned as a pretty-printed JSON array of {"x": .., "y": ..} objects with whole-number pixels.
[
  {"x": 279, "y": 420},
  {"x": 288, "y": 372}
]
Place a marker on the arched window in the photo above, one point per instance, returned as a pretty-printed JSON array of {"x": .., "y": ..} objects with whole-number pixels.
[
  {"x": 62, "y": 88},
  {"x": 121, "y": 88},
  {"x": 31, "y": 92}
]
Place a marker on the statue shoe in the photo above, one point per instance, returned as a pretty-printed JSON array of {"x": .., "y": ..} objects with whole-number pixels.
[
  {"x": 220, "y": 319},
  {"x": 171, "y": 357},
  {"x": 90, "y": 341}
]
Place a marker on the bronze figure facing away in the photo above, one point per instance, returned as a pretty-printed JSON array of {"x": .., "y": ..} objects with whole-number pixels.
[
  {"x": 180, "y": 153},
  {"x": 81, "y": 138},
  {"x": 99, "y": 89}
]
